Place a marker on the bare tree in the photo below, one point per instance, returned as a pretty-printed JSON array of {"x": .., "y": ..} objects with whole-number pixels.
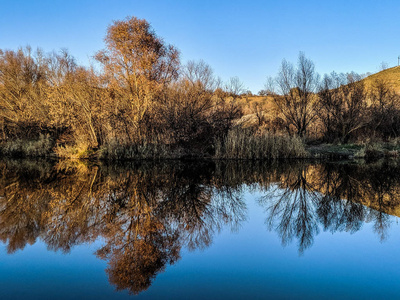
[
  {"x": 269, "y": 87},
  {"x": 200, "y": 75},
  {"x": 385, "y": 113},
  {"x": 234, "y": 87},
  {"x": 258, "y": 111},
  {"x": 22, "y": 91},
  {"x": 297, "y": 99},
  {"x": 342, "y": 105},
  {"x": 383, "y": 66}
]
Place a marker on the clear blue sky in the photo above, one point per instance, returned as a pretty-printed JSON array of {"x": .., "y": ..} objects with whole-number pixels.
[{"x": 248, "y": 39}]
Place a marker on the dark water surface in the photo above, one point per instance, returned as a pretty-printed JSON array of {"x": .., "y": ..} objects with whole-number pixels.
[{"x": 206, "y": 230}]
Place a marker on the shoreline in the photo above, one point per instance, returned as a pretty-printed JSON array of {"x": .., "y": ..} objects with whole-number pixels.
[{"x": 330, "y": 152}]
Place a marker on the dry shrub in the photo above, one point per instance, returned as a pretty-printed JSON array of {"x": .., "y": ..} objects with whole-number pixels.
[{"x": 72, "y": 151}]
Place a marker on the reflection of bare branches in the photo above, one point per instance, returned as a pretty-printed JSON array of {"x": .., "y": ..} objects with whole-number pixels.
[
  {"x": 291, "y": 209},
  {"x": 146, "y": 213},
  {"x": 314, "y": 196},
  {"x": 233, "y": 211},
  {"x": 381, "y": 224}
]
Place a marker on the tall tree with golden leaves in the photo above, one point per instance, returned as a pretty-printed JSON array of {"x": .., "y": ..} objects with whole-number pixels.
[{"x": 137, "y": 65}]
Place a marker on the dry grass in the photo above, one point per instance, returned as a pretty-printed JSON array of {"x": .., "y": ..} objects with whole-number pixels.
[
  {"x": 391, "y": 76},
  {"x": 245, "y": 144},
  {"x": 246, "y": 103},
  {"x": 74, "y": 151}
]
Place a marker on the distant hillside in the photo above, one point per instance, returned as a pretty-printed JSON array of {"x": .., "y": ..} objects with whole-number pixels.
[
  {"x": 391, "y": 76},
  {"x": 265, "y": 105}
]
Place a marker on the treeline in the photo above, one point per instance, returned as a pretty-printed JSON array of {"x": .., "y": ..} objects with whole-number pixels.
[
  {"x": 139, "y": 102},
  {"x": 337, "y": 108}
]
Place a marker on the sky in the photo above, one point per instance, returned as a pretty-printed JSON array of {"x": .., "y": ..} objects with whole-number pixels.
[{"x": 248, "y": 39}]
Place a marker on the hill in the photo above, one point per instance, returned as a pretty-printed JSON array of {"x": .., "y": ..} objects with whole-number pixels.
[
  {"x": 391, "y": 76},
  {"x": 254, "y": 106}
]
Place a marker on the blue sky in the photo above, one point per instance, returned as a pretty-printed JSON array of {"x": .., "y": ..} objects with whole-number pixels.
[{"x": 248, "y": 39}]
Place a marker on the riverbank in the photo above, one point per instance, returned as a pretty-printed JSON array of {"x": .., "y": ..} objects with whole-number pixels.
[
  {"x": 238, "y": 144},
  {"x": 353, "y": 151}
]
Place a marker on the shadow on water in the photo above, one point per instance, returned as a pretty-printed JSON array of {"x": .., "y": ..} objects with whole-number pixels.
[{"x": 146, "y": 213}]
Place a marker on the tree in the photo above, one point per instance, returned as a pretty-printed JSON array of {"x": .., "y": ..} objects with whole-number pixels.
[
  {"x": 200, "y": 75},
  {"x": 297, "y": 98},
  {"x": 383, "y": 66},
  {"x": 138, "y": 65},
  {"x": 22, "y": 92},
  {"x": 257, "y": 110},
  {"x": 385, "y": 113},
  {"x": 234, "y": 87},
  {"x": 342, "y": 103}
]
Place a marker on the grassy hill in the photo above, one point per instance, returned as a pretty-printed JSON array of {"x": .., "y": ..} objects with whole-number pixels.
[
  {"x": 391, "y": 76},
  {"x": 251, "y": 104}
]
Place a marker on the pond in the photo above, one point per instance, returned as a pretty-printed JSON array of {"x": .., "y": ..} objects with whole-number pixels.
[{"x": 199, "y": 230}]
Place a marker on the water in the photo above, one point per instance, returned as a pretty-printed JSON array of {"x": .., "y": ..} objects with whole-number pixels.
[{"x": 199, "y": 230}]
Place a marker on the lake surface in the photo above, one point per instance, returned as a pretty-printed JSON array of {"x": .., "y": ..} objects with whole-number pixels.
[{"x": 239, "y": 230}]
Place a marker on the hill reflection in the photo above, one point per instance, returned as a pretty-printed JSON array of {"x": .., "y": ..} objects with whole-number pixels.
[{"x": 146, "y": 213}]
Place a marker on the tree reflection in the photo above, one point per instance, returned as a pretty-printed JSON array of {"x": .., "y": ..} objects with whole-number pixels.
[
  {"x": 146, "y": 213},
  {"x": 332, "y": 197},
  {"x": 291, "y": 207}
]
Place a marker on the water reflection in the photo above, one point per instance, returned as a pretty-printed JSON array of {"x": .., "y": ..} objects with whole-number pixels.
[
  {"x": 146, "y": 213},
  {"x": 332, "y": 197}
]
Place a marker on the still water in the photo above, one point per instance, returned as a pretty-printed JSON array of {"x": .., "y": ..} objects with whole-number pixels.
[{"x": 239, "y": 230}]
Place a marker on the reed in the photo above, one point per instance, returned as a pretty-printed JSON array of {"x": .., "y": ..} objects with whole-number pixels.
[
  {"x": 246, "y": 144},
  {"x": 113, "y": 151}
]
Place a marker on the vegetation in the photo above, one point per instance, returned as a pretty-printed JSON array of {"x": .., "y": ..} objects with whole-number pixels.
[
  {"x": 246, "y": 144},
  {"x": 140, "y": 102},
  {"x": 297, "y": 95}
]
